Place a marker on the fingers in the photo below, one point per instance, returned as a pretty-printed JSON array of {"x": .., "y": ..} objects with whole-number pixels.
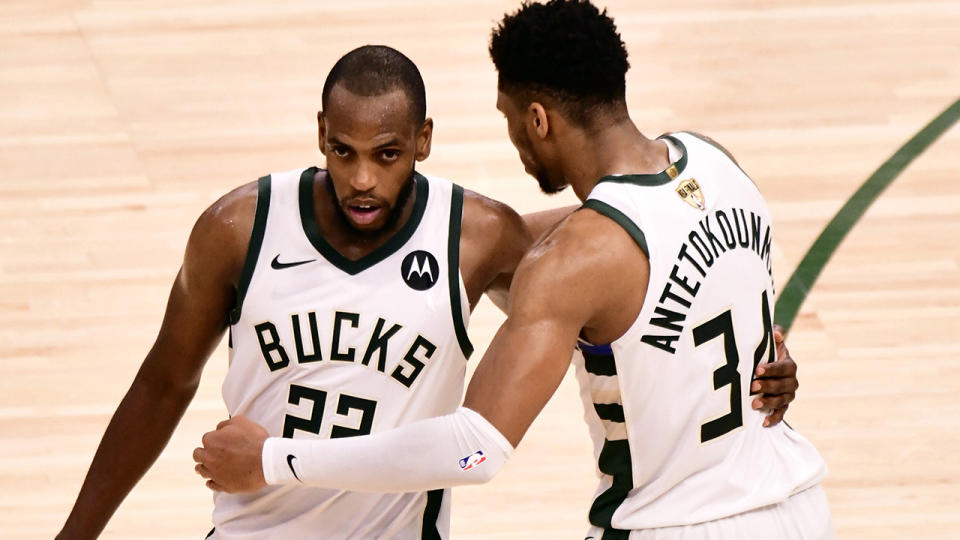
[
  {"x": 224, "y": 423},
  {"x": 778, "y": 334},
  {"x": 202, "y": 470},
  {"x": 775, "y": 379},
  {"x": 779, "y": 341},
  {"x": 778, "y": 369},
  {"x": 776, "y": 382},
  {"x": 771, "y": 402},
  {"x": 777, "y": 387},
  {"x": 775, "y": 417},
  {"x": 774, "y": 387}
]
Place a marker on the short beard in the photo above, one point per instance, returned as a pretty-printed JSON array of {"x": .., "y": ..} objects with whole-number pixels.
[
  {"x": 395, "y": 211},
  {"x": 545, "y": 185}
]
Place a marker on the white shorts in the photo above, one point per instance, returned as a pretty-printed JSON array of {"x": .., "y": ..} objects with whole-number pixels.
[{"x": 804, "y": 516}]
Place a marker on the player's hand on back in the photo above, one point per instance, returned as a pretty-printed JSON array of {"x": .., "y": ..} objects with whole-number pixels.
[
  {"x": 776, "y": 382},
  {"x": 230, "y": 458}
]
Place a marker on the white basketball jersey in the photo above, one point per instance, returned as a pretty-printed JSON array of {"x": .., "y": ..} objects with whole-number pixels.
[
  {"x": 326, "y": 347},
  {"x": 668, "y": 403}
]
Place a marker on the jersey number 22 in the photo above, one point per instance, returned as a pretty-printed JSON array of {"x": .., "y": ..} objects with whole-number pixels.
[{"x": 345, "y": 404}]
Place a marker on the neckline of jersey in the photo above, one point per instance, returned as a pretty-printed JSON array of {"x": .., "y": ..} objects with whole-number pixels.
[
  {"x": 663, "y": 177},
  {"x": 309, "y": 220}
]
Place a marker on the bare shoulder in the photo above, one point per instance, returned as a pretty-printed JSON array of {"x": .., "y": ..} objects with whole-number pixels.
[
  {"x": 714, "y": 143},
  {"x": 233, "y": 210},
  {"x": 585, "y": 237},
  {"x": 230, "y": 218},
  {"x": 493, "y": 239},
  {"x": 542, "y": 222},
  {"x": 582, "y": 262},
  {"x": 492, "y": 234},
  {"x": 221, "y": 234},
  {"x": 485, "y": 216}
]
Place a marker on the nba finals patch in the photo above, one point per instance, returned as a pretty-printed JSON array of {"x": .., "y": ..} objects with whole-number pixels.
[
  {"x": 689, "y": 191},
  {"x": 472, "y": 460}
]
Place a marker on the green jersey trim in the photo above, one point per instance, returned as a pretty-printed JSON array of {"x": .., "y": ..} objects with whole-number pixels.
[
  {"x": 253, "y": 249},
  {"x": 663, "y": 177},
  {"x": 614, "y": 459},
  {"x": 453, "y": 269},
  {"x": 621, "y": 219},
  {"x": 431, "y": 513},
  {"x": 309, "y": 220}
]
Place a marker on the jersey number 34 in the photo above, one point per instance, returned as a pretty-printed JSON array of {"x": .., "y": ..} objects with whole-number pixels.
[{"x": 728, "y": 374}]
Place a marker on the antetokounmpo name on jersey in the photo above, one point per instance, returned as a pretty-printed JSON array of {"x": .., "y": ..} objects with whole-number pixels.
[
  {"x": 716, "y": 234},
  {"x": 374, "y": 354}
]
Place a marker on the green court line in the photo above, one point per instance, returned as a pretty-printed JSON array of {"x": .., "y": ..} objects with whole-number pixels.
[{"x": 803, "y": 278}]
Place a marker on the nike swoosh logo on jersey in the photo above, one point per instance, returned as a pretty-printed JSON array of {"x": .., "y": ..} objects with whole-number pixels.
[
  {"x": 277, "y": 265},
  {"x": 290, "y": 458}
]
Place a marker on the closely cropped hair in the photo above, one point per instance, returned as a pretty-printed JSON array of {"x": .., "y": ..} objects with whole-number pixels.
[
  {"x": 566, "y": 49},
  {"x": 374, "y": 70}
]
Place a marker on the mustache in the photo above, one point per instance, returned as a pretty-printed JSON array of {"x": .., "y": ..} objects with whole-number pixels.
[
  {"x": 364, "y": 198},
  {"x": 369, "y": 199}
]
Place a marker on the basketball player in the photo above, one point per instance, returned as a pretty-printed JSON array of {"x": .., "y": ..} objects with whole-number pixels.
[
  {"x": 662, "y": 281},
  {"x": 346, "y": 293}
]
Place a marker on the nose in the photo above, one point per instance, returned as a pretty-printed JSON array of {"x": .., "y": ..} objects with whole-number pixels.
[{"x": 364, "y": 178}]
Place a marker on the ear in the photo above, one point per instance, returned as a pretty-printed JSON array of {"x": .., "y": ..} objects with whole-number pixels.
[
  {"x": 538, "y": 122},
  {"x": 321, "y": 133},
  {"x": 424, "y": 140}
]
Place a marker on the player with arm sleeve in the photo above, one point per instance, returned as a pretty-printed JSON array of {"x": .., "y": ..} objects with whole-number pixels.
[
  {"x": 345, "y": 291},
  {"x": 661, "y": 282}
]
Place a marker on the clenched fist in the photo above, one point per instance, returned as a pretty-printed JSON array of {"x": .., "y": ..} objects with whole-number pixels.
[{"x": 230, "y": 458}]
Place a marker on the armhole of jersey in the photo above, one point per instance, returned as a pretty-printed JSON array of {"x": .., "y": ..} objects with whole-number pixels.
[
  {"x": 453, "y": 269},
  {"x": 253, "y": 250},
  {"x": 621, "y": 219}
]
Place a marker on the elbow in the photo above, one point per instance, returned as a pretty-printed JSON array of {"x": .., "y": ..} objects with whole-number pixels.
[
  {"x": 164, "y": 387},
  {"x": 488, "y": 474},
  {"x": 479, "y": 469}
]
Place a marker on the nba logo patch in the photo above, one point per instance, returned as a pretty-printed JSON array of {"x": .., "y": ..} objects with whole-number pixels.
[
  {"x": 472, "y": 460},
  {"x": 689, "y": 191}
]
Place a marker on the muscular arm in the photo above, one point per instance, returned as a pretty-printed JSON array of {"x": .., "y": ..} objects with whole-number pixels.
[
  {"x": 559, "y": 288},
  {"x": 193, "y": 325},
  {"x": 493, "y": 240},
  {"x": 564, "y": 286},
  {"x": 541, "y": 223}
]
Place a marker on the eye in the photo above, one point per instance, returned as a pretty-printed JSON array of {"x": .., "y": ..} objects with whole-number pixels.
[
  {"x": 390, "y": 154},
  {"x": 341, "y": 151}
]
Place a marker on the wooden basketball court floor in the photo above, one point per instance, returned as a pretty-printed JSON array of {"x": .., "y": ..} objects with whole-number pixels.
[{"x": 120, "y": 120}]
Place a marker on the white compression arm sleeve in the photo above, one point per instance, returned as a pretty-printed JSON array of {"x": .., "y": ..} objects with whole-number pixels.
[{"x": 457, "y": 449}]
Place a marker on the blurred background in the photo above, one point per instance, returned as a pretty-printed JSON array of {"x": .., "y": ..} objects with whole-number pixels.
[{"x": 121, "y": 120}]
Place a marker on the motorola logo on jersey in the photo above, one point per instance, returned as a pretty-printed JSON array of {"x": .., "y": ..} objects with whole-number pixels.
[{"x": 420, "y": 270}]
